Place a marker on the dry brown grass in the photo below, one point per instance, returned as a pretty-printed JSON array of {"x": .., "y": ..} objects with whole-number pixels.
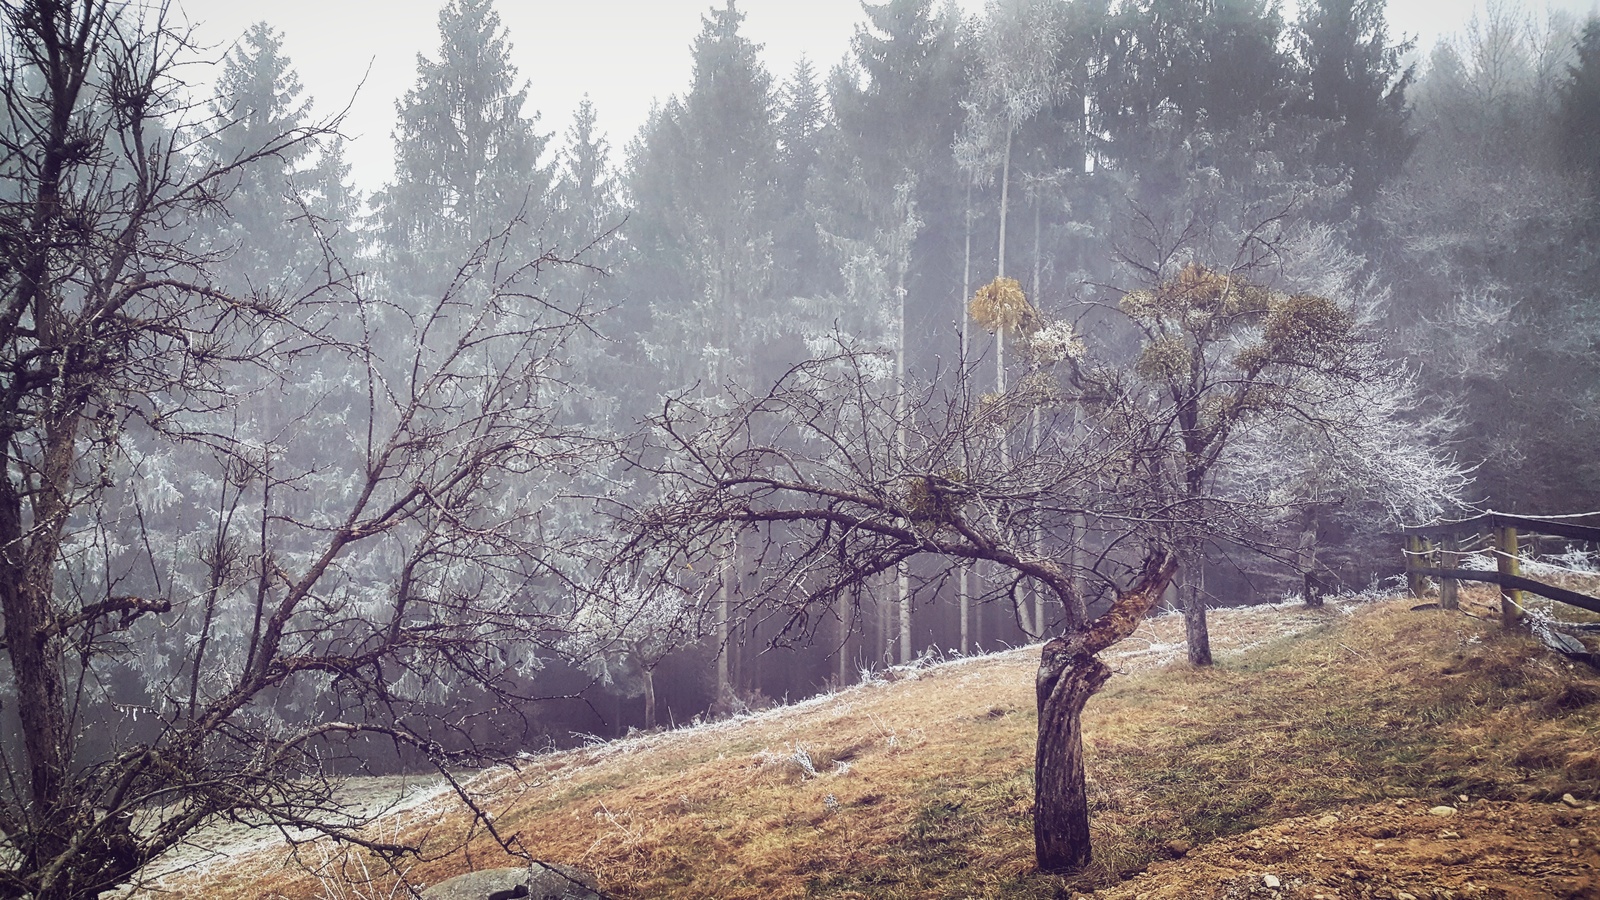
[{"x": 922, "y": 787}]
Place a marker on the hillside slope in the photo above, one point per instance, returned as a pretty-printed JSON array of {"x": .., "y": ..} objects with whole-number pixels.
[{"x": 1308, "y": 758}]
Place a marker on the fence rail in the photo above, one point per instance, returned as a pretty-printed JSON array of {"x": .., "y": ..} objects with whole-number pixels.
[{"x": 1435, "y": 551}]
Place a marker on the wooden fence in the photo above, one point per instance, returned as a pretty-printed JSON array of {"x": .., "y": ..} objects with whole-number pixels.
[{"x": 1435, "y": 551}]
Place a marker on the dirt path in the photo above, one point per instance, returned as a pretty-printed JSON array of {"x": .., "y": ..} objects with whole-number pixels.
[{"x": 219, "y": 844}]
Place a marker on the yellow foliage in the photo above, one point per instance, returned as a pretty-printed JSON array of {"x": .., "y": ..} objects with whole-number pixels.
[
  {"x": 1305, "y": 325},
  {"x": 1000, "y": 305},
  {"x": 1164, "y": 359},
  {"x": 1194, "y": 297}
]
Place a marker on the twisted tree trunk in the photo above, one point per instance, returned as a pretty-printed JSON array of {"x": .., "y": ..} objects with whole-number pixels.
[
  {"x": 1061, "y": 809},
  {"x": 1070, "y": 672}
]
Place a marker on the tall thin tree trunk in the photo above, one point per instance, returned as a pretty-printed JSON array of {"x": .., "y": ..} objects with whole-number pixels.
[
  {"x": 904, "y": 585},
  {"x": 724, "y": 575},
  {"x": 1196, "y": 632},
  {"x": 844, "y": 649},
  {"x": 1005, "y": 198},
  {"x": 964, "y": 580},
  {"x": 1306, "y": 556},
  {"x": 1000, "y": 272},
  {"x": 1035, "y": 426},
  {"x": 886, "y": 631},
  {"x": 966, "y": 293},
  {"x": 965, "y": 596},
  {"x": 902, "y": 442},
  {"x": 649, "y": 698},
  {"x": 1080, "y": 611}
]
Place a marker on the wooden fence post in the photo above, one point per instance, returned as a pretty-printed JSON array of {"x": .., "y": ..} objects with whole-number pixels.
[
  {"x": 1413, "y": 563},
  {"x": 1508, "y": 563},
  {"x": 1428, "y": 560},
  {"x": 1448, "y": 559}
]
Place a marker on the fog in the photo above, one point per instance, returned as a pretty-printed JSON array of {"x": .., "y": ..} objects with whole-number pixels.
[
  {"x": 819, "y": 339},
  {"x": 623, "y": 54}
]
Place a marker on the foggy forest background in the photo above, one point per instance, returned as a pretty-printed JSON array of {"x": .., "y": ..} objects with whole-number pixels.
[{"x": 1088, "y": 149}]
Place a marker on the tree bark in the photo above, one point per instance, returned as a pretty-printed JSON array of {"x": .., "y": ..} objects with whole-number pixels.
[
  {"x": 1061, "y": 809},
  {"x": 1196, "y": 632},
  {"x": 1069, "y": 674},
  {"x": 649, "y": 699},
  {"x": 724, "y": 573},
  {"x": 964, "y": 594},
  {"x": 903, "y": 591}
]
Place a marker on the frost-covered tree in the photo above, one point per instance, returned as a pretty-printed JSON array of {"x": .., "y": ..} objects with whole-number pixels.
[
  {"x": 702, "y": 181},
  {"x": 800, "y": 467},
  {"x": 467, "y": 153},
  {"x": 585, "y": 197},
  {"x": 1580, "y": 104},
  {"x": 123, "y": 345},
  {"x": 1370, "y": 452},
  {"x": 276, "y": 215},
  {"x": 800, "y": 125},
  {"x": 1356, "y": 81},
  {"x": 1487, "y": 241},
  {"x": 1221, "y": 355},
  {"x": 624, "y": 628},
  {"x": 1213, "y": 63}
]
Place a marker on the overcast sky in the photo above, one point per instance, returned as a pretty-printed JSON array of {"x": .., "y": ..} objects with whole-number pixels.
[{"x": 622, "y": 53}]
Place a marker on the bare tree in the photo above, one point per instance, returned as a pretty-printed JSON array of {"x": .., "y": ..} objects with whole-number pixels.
[
  {"x": 814, "y": 474},
  {"x": 362, "y": 580}
]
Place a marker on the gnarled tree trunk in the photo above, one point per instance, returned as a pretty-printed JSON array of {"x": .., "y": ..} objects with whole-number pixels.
[
  {"x": 1070, "y": 672},
  {"x": 1061, "y": 808}
]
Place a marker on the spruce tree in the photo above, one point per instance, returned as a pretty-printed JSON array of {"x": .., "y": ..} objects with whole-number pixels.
[
  {"x": 702, "y": 179},
  {"x": 800, "y": 122},
  {"x": 467, "y": 158},
  {"x": 1580, "y": 106},
  {"x": 1357, "y": 84},
  {"x": 259, "y": 234},
  {"x": 587, "y": 207}
]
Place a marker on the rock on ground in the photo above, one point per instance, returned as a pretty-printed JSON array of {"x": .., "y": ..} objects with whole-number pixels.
[{"x": 545, "y": 882}]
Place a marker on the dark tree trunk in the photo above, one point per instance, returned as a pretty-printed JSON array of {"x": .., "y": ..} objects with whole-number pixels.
[
  {"x": 1061, "y": 805},
  {"x": 1196, "y": 632},
  {"x": 1313, "y": 591},
  {"x": 1069, "y": 674}
]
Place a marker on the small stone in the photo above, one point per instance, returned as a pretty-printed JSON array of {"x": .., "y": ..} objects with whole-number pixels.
[
  {"x": 1463, "y": 798},
  {"x": 1405, "y": 896},
  {"x": 1442, "y": 811},
  {"x": 1570, "y": 800},
  {"x": 1179, "y": 847},
  {"x": 1573, "y": 843},
  {"x": 1329, "y": 819},
  {"x": 1271, "y": 881},
  {"x": 1400, "y": 803},
  {"x": 1448, "y": 835}
]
